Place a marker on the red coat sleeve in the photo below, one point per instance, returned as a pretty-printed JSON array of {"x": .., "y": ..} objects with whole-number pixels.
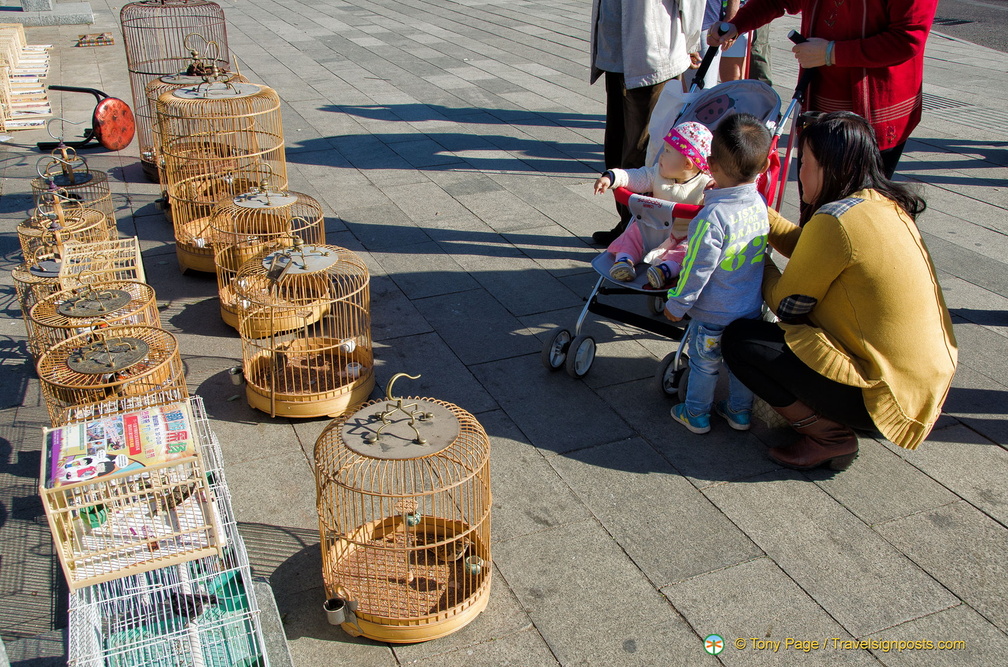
[{"x": 757, "y": 13}]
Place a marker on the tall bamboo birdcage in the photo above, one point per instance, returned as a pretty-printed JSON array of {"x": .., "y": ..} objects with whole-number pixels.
[
  {"x": 216, "y": 142},
  {"x": 109, "y": 363},
  {"x": 60, "y": 219},
  {"x": 306, "y": 330},
  {"x": 70, "y": 312},
  {"x": 159, "y": 37},
  {"x": 64, "y": 171},
  {"x": 403, "y": 498},
  {"x": 205, "y": 69},
  {"x": 253, "y": 222}
]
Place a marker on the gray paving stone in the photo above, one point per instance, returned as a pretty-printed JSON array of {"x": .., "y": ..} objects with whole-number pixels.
[
  {"x": 963, "y": 549},
  {"x": 855, "y": 575},
  {"x": 968, "y": 465},
  {"x": 978, "y": 401},
  {"x": 442, "y": 375},
  {"x": 758, "y": 606},
  {"x": 556, "y": 576},
  {"x": 675, "y": 534},
  {"x": 525, "y": 648},
  {"x": 557, "y": 415},
  {"x": 423, "y": 271},
  {"x": 529, "y": 496},
  {"x": 476, "y": 327},
  {"x": 985, "y": 644},
  {"x": 881, "y": 486}
]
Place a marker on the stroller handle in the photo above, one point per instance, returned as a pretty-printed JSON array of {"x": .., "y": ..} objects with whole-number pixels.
[{"x": 686, "y": 211}]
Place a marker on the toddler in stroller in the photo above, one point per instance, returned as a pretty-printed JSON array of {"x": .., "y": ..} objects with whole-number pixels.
[{"x": 680, "y": 176}]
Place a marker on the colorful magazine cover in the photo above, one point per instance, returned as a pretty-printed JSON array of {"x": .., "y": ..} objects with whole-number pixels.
[{"x": 119, "y": 443}]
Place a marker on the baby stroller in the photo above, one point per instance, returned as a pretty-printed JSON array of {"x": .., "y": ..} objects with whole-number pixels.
[{"x": 575, "y": 351}]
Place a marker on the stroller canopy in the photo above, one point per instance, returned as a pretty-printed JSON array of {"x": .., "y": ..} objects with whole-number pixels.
[{"x": 710, "y": 107}]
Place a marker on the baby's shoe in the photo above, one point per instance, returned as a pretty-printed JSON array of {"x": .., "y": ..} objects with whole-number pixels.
[
  {"x": 699, "y": 424},
  {"x": 740, "y": 421},
  {"x": 659, "y": 276},
  {"x": 623, "y": 270}
]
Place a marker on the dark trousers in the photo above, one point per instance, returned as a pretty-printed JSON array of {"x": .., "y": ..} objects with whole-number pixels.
[
  {"x": 626, "y": 127},
  {"x": 757, "y": 355}
]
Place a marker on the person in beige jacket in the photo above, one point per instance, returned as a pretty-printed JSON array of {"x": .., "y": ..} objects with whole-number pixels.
[{"x": 865, "y": 339}]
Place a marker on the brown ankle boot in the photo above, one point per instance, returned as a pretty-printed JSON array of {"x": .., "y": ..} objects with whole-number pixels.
[{"x": 823, "y": 441}]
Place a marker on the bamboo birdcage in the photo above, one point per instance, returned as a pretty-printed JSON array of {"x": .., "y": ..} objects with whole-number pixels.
[
  {"x": 164, "y": 84},
  {"x": 111, "y": 362},
  {"x": 215, "y": 144},
  {"x": 101, "y": 261},
  {"x": 64, "y": 171},
  {"x": 306, "y": 331},
  {"x": 252, "y": 223},
  {"x": 403, "y": 498},
  {"x": 158, "y": 39},
  {"x": 59, "y": 267},
  {"x": 70, "y": 312},
  {"x": 60, "y": 219}
]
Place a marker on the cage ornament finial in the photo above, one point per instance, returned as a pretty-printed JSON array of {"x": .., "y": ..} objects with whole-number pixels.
[{"x": 410, "y": 410}]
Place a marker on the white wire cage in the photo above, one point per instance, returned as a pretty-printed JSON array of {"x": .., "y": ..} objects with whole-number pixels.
[
  {"x": 306, "y": 330},
  {"x": 201, "y": 613},
  {"x": 159, "y": 37},
  {"x": 404, "y": 500}
]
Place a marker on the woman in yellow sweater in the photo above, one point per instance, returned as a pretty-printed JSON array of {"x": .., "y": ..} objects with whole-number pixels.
[{"x": 865, "y": 341}]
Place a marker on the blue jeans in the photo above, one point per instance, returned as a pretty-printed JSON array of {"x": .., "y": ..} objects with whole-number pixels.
[{"x": 704, "y": 364}]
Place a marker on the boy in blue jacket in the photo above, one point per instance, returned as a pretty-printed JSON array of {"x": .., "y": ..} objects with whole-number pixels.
[{"x": 723, "y": 269}]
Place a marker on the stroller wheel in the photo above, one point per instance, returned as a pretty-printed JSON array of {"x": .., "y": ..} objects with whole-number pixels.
[
  {"x": 671, "y": 378},
  {"x": 554, "y": 352},
  {"x": 580, "y": 356},
  {"x": 657, "y": 305}
]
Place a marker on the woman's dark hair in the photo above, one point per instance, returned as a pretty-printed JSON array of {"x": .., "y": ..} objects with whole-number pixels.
[{"x": 844, "y": 145}]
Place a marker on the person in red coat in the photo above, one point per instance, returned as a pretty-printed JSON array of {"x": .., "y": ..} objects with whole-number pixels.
[{"x": 868, "y": 55}]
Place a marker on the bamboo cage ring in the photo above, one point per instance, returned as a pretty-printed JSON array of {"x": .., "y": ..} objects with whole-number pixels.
[
  {"x": 69, "y": 312},
  {"x": 110, "y": 362}
]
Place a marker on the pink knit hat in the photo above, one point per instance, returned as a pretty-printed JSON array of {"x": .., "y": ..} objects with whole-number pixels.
[{"x": 692, "y": 140}]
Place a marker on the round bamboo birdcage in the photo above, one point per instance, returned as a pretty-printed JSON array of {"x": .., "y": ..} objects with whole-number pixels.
[
  {"x": 306, "y": 331},
  {"x": 252, "y": 224},
  {"x": 168, "y": 83},
  {"x": 68, "y": 313},
  {"x": 65, "y": 172},
  {"x": 403, "y": 498},
  {"x": 109, "y": 363},
  {"x": 62, "y": 220},
  {"x": 34, "y": 280},
  {"x": 159, "y": 37},
  {"x": 215, "y": 143}
]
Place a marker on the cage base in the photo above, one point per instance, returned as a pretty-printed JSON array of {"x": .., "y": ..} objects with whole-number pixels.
[
  {"x": 150, "y": 170},
  {"x": 413, "y": 634},
  {"x": 286, "y": 405},
  {"x": 194, "y": 258}
]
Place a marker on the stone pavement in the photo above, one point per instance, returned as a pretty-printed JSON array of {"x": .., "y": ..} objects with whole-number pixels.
[{"x": 454, "y": 145}]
